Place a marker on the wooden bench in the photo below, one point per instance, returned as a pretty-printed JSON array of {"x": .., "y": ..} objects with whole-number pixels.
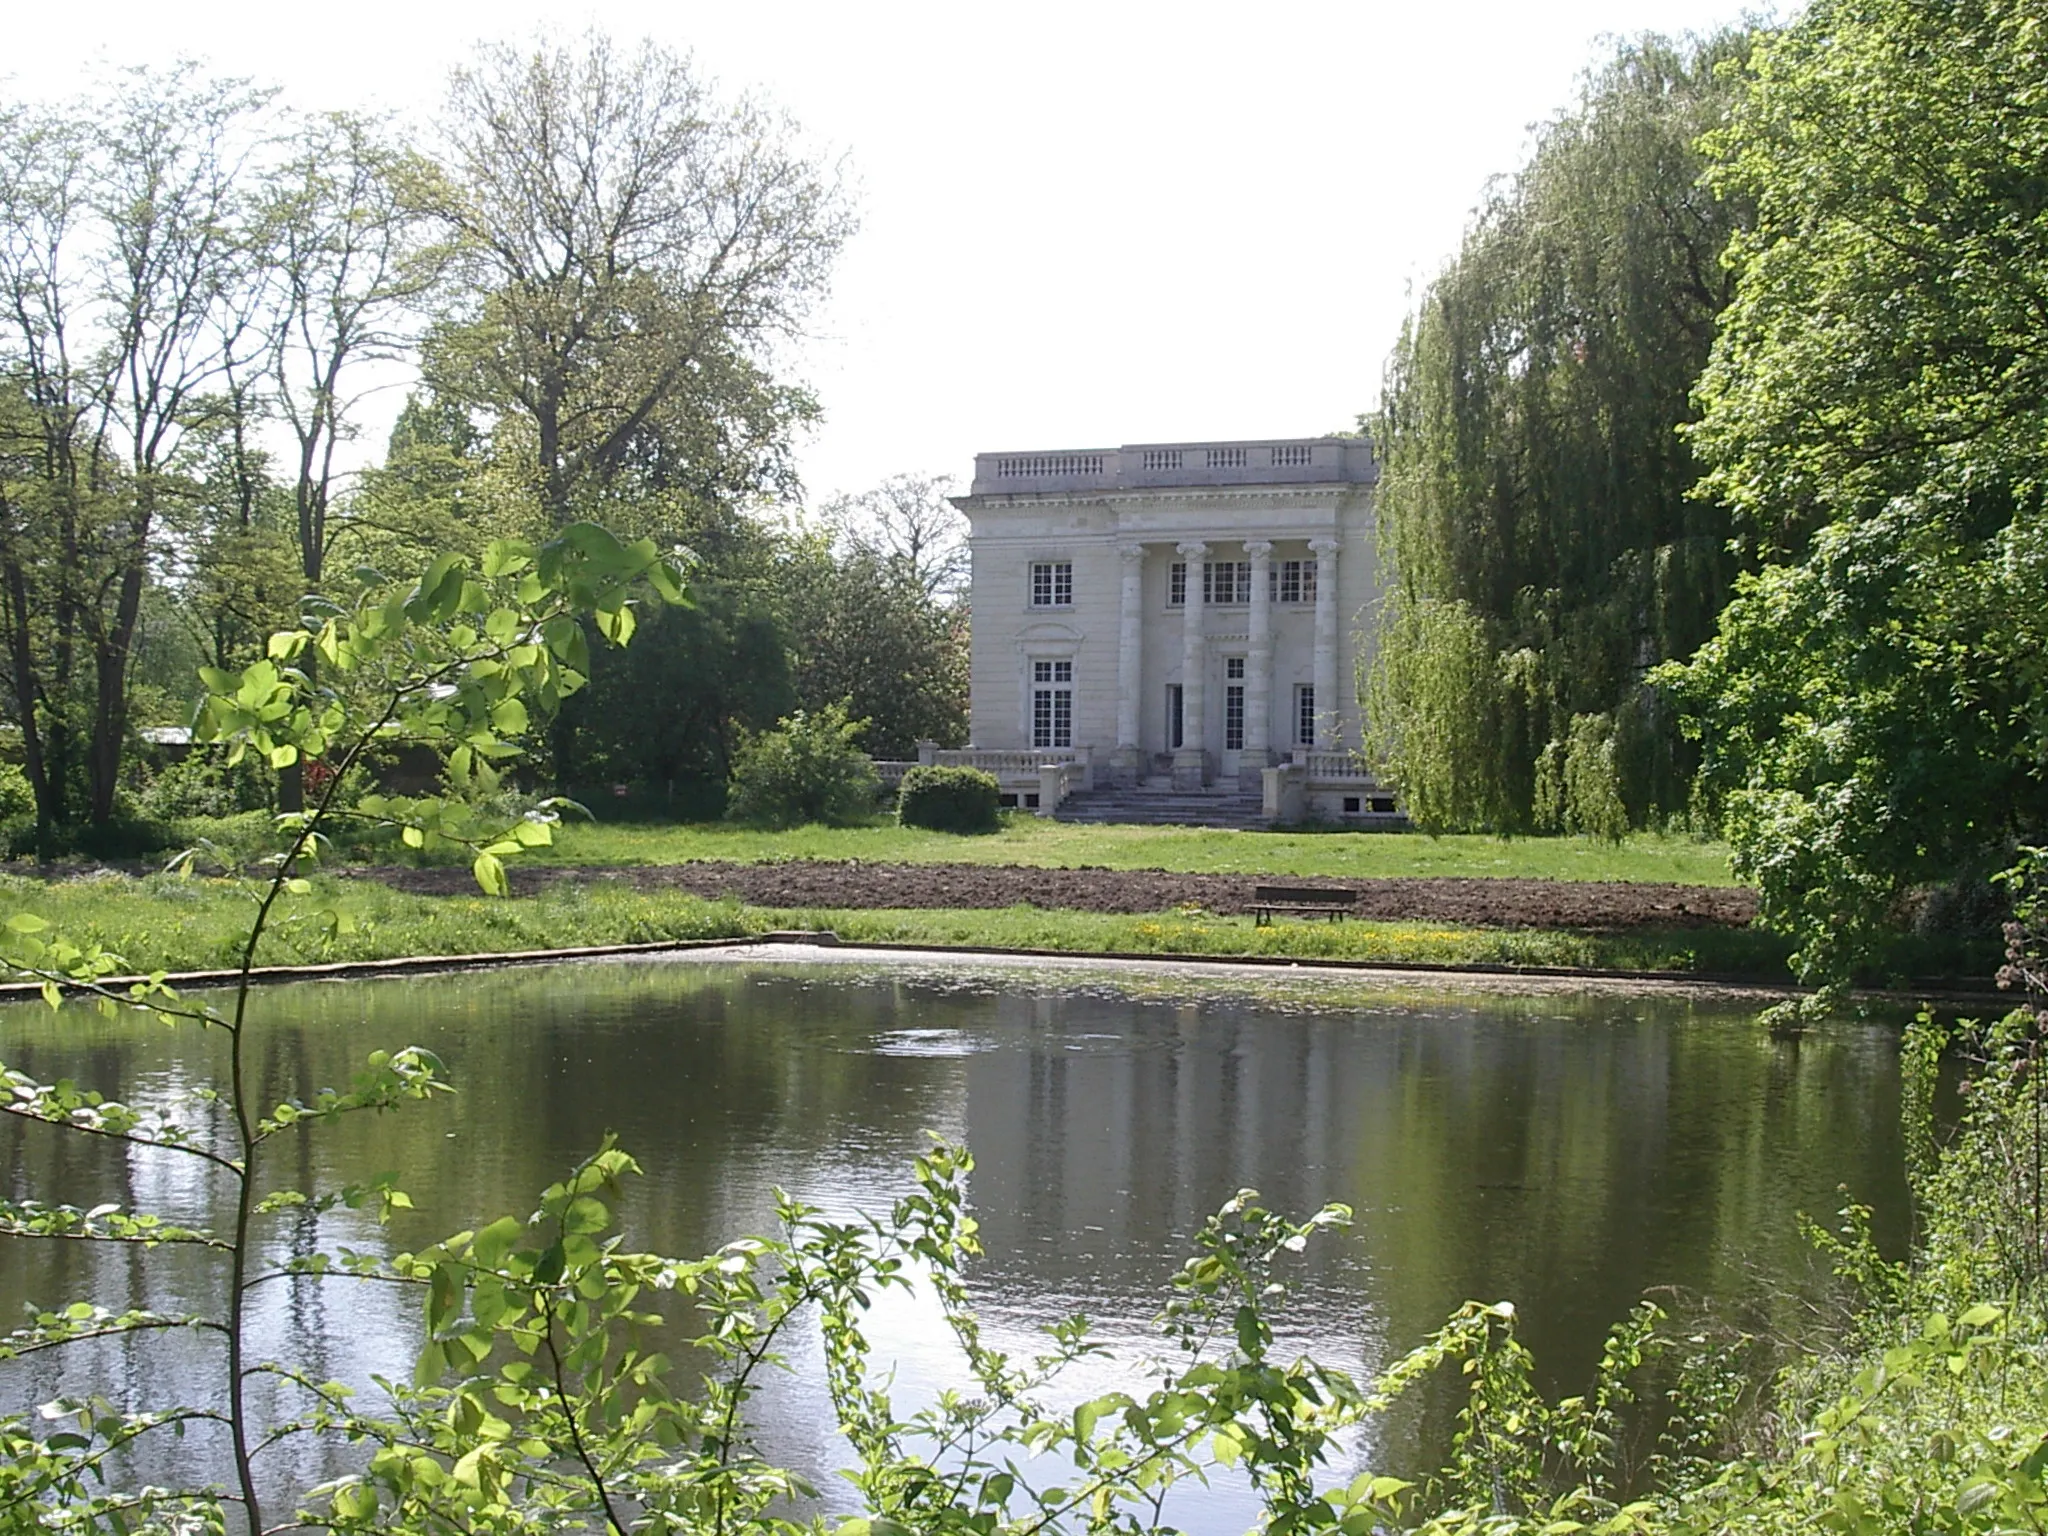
[{"x": 1301, "y": 900}]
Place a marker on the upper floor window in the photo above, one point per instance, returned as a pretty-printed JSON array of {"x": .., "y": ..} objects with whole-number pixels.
[
  {"x": 1291, "y": 581},
  {"x": 1227, "y": 581},
  {"x": 1177, "y": 584},
  {"x": 1052, "y": 584}
]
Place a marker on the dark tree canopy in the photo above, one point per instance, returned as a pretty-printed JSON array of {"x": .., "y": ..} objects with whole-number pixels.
[{"x": 1534, "y": 496}]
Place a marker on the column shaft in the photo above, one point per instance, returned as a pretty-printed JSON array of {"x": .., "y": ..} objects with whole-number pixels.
[
  {"x": 1124, "y": 762},
  {"x": 1258, "y": 667},
  {"x": 1328, "y": 716},
  {"x": 1190, "y": 763}
]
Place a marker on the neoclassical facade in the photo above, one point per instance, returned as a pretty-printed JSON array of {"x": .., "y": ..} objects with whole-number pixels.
[{"x": 1174, "y": 614}]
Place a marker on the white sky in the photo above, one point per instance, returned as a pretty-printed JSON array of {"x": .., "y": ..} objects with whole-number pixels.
[{"x": 1082, "y": 225}]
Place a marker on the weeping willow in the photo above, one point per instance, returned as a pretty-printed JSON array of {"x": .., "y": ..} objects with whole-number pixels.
[{"x": 1533, "y": 499}]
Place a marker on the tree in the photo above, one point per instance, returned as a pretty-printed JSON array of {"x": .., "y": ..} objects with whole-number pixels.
[
  {"x": 619, "y": 235},
  {"x": 1534, "y": 499},
  {"x": 124, "y": 288},
  {"x": 349, "y": 270},
  {"x": 908, "y": 521},
  {"x": 1873, "y": 707},
  {"x": 864, "y": 626}
]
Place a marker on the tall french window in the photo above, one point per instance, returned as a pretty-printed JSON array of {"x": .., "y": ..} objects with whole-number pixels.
[
  {"x": 1304, "y": 715},
  {"x": 1174, "y": 717},
  {"x": 1177, "y": 584},
  {"x": 1233, "y": 703},
  {"x": 1052, "y": 704}
]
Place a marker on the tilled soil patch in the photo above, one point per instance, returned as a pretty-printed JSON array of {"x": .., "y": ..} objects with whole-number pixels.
[{"x": 1583, "y": 904}]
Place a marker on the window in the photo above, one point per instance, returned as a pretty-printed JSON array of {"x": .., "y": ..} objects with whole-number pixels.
[
  {"x": 1177, "y": 584},
  {"x": 1291, "y": 581},
  {"x": 1233, "y": 703},
  {"x": 1227, "y": 581},
  {"x": 1052, "y": 704},
  {"x": 1052, "y": 584},
  {"x": 1304, "y": 715},
  {"x": 1173, "y": 717}
]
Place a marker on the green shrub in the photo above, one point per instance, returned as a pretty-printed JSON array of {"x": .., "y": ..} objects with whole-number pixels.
[
  {"x": 17, "y": 799},
  {"x": 202, "y": 784},
  {"x": 119, "y": 838},
  {"x": 809, "y": 768},
  {"x": 949, "y": 800}
]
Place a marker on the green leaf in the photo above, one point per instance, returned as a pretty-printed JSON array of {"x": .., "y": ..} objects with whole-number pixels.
[
  {"x": 547, "y": 1269},
  {"x": 489, "y": 870},
  {"x": 27, "y": 922},
  {"x": 508, "y": 717},
  {"x": 495, "y": 1241}
]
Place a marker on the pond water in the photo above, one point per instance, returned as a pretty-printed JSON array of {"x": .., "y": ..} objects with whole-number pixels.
[{"x": 1567, "y": 1151}]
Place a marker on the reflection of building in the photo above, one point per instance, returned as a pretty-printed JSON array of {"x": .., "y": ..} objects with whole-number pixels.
[{"x": 1179, "y": 617}]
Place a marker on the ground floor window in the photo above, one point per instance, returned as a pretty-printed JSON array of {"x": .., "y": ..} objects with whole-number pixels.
[
  {"x": 1052, "y": 704},
  {"x": 1174, "y": 717},
  {"x": 1304, "y": 715},
  {"x": 1233, "y": 704}
]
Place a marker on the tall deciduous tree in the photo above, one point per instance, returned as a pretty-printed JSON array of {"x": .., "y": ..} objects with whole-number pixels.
[
  {"x": 1534, "y": 492},
  {"x": 619, "y": 234},
  {"x": 1874, "y": 706},
  {"x": 350, "y": 271},
  {"x": 909, "y": 521},
  {"x": 124, "y": 275}
]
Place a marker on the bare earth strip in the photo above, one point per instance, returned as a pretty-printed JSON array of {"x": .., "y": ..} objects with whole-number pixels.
[{"x": 1592, "y": 905}]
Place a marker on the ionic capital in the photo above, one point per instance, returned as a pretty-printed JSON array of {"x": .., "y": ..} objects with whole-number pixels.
[
  {"x": 1193, "y": 550},
  {"x": 1323, "y": 546},
  {"x": 1258, "y": 549},
  {"x": 1130, "y": 554}
]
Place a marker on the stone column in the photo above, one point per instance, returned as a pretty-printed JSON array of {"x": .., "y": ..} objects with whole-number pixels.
[
  {"x": 1258, "y": 671},
  {"x": 1125, "y": 762},
  {"x": 1328, "y": 718},
  {"x": 1190, "y": 763}
]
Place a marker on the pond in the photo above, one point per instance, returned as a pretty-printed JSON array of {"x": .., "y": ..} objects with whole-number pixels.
[{"x": 1568, "y": 1151}]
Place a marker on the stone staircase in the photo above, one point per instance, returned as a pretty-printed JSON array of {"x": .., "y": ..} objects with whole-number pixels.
[{"x": 1157, "y": 804}]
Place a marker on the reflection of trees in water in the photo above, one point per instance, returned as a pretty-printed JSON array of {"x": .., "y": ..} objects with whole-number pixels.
[{"x": 1565, "y": 1153}]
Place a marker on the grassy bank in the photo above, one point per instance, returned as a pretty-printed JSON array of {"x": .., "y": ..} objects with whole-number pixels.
[
  {"x": 1029, "y": 840},
  {"x": 159, "y": 922}
]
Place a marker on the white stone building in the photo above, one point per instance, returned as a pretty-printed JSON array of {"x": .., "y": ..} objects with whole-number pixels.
[{"x": 1175, "y": 619}]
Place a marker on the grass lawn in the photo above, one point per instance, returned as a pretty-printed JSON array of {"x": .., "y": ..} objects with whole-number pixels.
[
  {"x": 1183, "y": 850},
  {"x": 159, "y": 922}
]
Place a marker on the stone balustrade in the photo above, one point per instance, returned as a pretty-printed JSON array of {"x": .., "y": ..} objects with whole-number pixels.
[{"x": 1169, "y": 466}]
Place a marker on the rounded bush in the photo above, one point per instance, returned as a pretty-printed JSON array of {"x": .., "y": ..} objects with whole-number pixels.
[
  {"x": 949, "y": 800},
  {"x": 810, "y": 768}
]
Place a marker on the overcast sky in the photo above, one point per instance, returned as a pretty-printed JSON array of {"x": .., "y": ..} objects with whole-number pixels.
[{"x": 1082, "y": 225}]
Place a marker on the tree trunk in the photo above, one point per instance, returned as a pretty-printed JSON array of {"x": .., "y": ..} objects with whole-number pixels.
[{"x": 110, "y": 702}]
